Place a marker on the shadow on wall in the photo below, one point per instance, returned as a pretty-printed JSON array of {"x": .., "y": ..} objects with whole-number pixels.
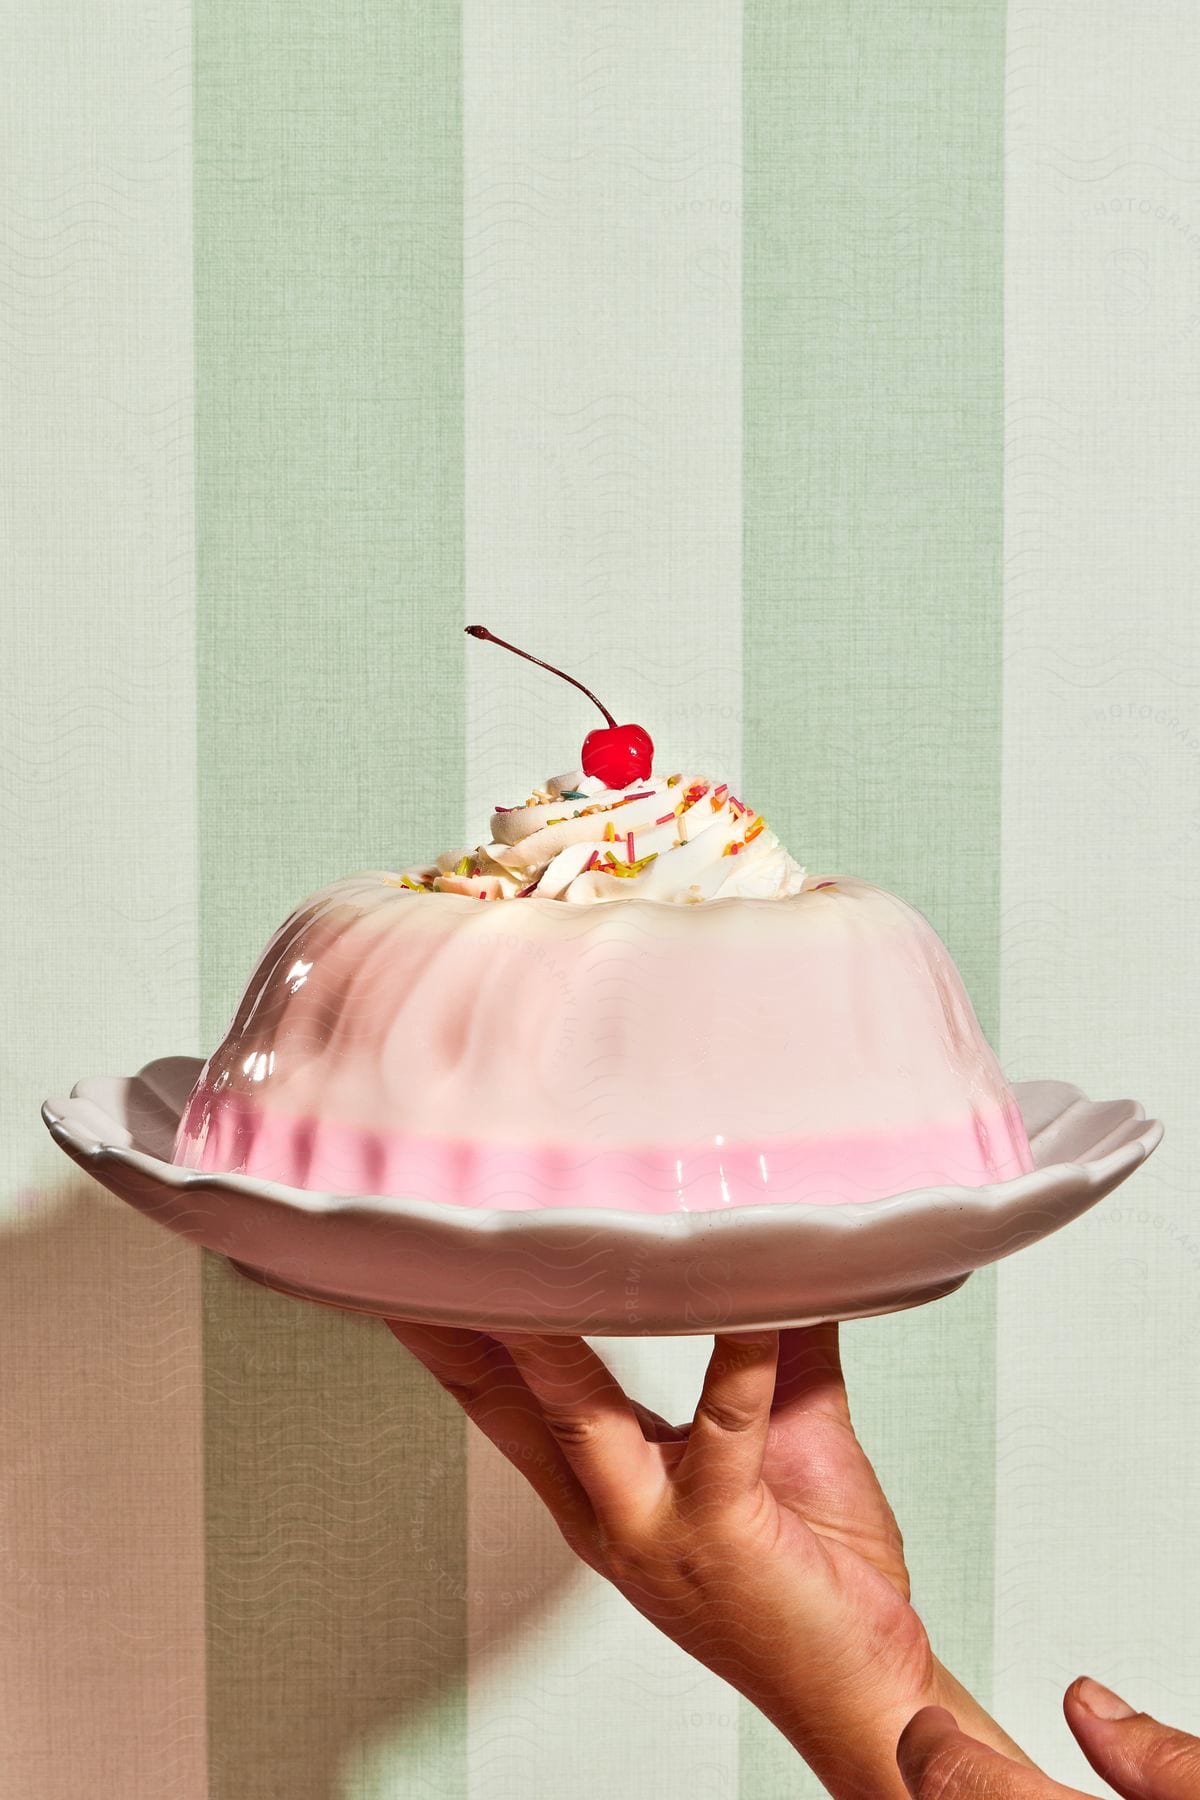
[
  {"x": 338, "y": 1571},
  {"x": 282, "y": 1499},
  {"x": 101, "y": 1555}
]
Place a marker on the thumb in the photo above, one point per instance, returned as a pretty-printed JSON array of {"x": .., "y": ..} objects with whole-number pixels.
[
  {"x": 1134, "y": 1753},
  {"x": 940, "y": 1762}
]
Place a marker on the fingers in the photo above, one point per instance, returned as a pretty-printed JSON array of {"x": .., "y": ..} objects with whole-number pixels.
[
  {"x": 1131, "y": 1751},
  {"x": 939, "y": 1762},
  {"x": 724, "y": 1453},
  {"x": 810, "y": 1372},
  {"x": 655, "y": 1428},
  {"x": 480, "y": 1374},
  {"x": 595, "y": 1426}
]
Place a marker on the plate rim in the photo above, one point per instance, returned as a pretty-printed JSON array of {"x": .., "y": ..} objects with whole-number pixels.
[{"x": 847, "y": 1216}]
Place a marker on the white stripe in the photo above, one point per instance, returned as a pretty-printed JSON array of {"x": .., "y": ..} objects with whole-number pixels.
[
  {"x": 101, "y": 1578},
  {"x": 603, "y": 447},
  {"x": 1097, "y": 1458}
]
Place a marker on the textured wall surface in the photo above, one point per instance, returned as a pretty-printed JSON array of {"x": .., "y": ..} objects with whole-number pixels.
[{"x": 822, "y": 385}]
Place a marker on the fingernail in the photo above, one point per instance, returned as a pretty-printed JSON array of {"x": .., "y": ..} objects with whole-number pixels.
[{"x": 1101, "y": 1701}]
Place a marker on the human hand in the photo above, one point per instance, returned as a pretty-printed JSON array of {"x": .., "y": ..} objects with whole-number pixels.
[
  {"x": 1140, "y": 1758},
  {"x": 757, "y": 1536}
]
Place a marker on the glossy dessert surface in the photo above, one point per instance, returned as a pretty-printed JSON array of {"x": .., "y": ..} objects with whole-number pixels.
[{"x": 817, "y": 1045}]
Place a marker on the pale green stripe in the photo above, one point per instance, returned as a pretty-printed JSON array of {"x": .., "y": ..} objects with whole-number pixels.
[
  {"x": 101, "y": 1546},
  {"x": 873, "y": 518},
  {"x": 1098, "y": 1459},
  {"x": 329, "y": 488}
]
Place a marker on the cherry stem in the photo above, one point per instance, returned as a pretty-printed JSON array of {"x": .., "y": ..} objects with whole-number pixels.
[{"x": 481, "y": 631}]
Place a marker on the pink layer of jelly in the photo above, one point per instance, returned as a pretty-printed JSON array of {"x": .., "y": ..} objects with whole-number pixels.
[{"x": 237, "y": 1138}]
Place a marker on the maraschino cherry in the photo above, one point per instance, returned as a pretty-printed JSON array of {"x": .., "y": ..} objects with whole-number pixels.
[{"x": 617, "y": 755}]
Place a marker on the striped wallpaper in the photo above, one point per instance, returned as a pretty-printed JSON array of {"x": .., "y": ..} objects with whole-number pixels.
[{"x": 823, "y": 385}]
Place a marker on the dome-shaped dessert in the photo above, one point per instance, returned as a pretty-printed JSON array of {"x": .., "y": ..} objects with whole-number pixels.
[{"x": 627, "y": 999}]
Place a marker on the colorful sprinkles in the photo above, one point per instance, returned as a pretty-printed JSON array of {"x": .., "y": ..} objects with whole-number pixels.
[
  {"x": 471, "y": 867},
  {"x": 625, "y": 870}
]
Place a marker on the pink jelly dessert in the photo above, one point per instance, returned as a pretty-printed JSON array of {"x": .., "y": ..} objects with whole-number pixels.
[{"x": 631, "y": 997}]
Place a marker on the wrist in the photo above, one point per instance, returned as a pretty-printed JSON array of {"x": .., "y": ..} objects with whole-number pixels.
[
  {"x": 973, "y": 1719},
  {"x": 852, "y": 1748},
  {"x": 847, "y": 1729},
  {"x": 847, "y": 1732}
]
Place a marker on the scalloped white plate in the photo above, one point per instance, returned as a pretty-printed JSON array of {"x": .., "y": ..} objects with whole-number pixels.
[{"x": 600, "y": 1273}]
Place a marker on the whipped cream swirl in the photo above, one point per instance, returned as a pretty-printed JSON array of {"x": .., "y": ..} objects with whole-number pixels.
[{"x": 677, "y": 838}]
